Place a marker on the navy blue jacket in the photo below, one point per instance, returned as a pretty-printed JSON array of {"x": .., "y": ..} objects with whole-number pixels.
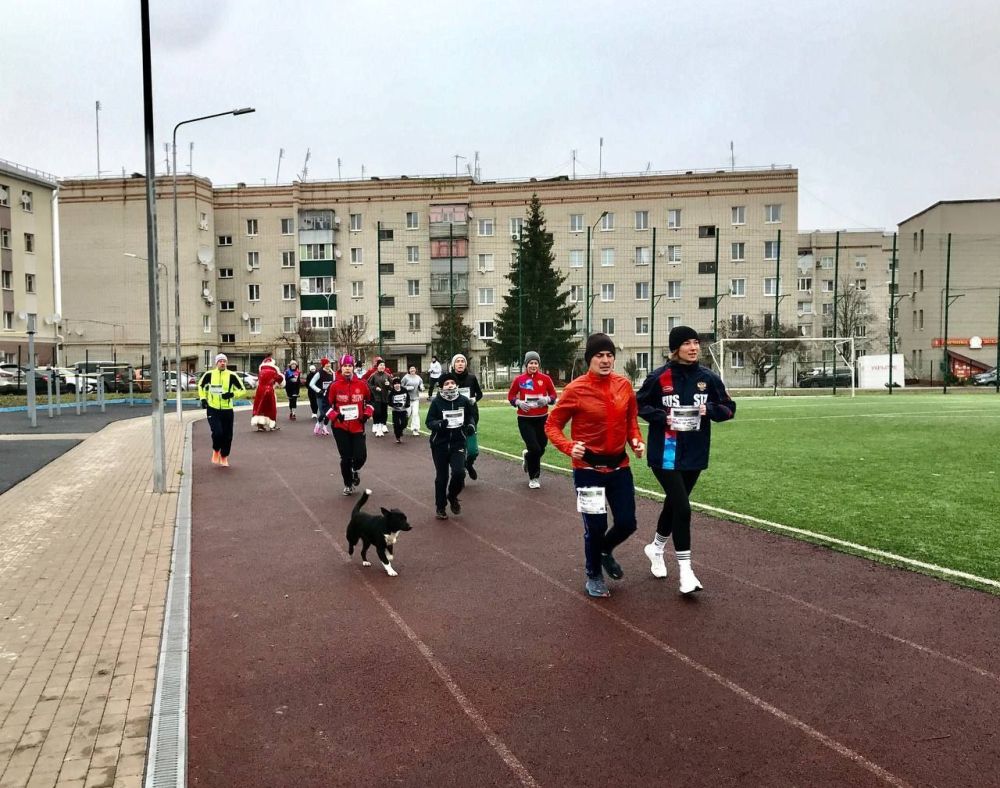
[{"x": 676, "y": 384}]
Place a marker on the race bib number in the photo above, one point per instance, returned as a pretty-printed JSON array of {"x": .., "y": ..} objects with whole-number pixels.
[
  {"x": 399, "y": 401},
  {"x": 326, "y": 385},
  {"x": 466, "y": 392},
  {"x": 349, "y": 412},
  {"x": 532, "y": 400},
  {"x": 591, "y": 500},
  {"x": 215, "y": 389},
  {"x": 454, "y": 418}
]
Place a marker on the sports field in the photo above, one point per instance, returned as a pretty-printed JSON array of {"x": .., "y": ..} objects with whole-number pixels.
[{"x": 913, "y": 475}]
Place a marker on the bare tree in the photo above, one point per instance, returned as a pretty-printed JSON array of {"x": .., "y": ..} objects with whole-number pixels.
[
  {"x": 351, "y": 336},
  {"x": 301, "y": 343},
  {"x": 760, "y": 357},
  {"x": 853, "y": 316}
]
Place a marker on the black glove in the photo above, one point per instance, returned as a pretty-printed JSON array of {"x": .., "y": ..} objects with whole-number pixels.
[
  {"x": 227, "y": 395},
  {"x": 340, "y": 417},
  {"x": 204, "y": 404},
  {"x": 469, "y": 429}
]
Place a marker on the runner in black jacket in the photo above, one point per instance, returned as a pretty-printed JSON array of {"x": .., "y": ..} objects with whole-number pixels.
[
  {"x": 450, "y": 420},
  {"x": 677, "y": 457}
]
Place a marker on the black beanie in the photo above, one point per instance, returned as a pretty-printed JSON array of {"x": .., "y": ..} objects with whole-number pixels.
[
  {"x": 679, "y": 335},
  {"x": 598, "y": 343}
]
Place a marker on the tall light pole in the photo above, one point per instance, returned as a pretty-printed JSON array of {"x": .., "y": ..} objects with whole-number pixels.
[
  {"x": 590, "y": 231},
  {"x": 177, "y": 265},
  {"x": 329, "y": 319}
]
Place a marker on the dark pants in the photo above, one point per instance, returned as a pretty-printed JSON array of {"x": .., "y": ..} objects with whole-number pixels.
[
  {"x": 293, "y": 402},
  {"x": 353, "y": 453},
  {"x": 220, "y": 422},
  {"x": 313, "y": 402},
  {"x": 431, "y": 382},
  {"x": 619, "y": 492},
  {"x": 381, "y": 412},
  {"x": 675, "y": 517},
  {"x": 445, "y": 459},
  {"x": 399, "y": 422},
  {"x": 532, "y": 429}
]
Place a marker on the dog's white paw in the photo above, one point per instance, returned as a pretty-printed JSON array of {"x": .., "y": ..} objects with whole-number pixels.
[
  {"x": 366, "y": 563},
  {"x": 389, "y": 570}
]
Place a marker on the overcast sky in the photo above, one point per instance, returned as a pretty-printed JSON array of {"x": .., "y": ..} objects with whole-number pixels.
[{"x": 885, "y": 107}]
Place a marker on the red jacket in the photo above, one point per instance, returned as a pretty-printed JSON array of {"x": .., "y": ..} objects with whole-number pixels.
[
  {"x": 346, "y": 395},
  {"x": 602, "y": 411},
  {"x": 527, "y": 385}
]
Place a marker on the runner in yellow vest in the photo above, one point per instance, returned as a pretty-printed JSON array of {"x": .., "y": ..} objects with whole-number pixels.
[{"x": 216, "y": 390}]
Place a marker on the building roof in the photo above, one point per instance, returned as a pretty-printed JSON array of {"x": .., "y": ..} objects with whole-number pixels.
[
  {"x": 28, "y": 174},
  {"x": 948, "y": 202}
]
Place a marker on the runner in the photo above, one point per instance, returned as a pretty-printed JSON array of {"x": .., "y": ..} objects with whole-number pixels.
[
  {"x": 265, "y": 403},
  {"x": 414, "y": 384},
  {"x": 531, "y": 393},
  {"x": 350, "y": 407},
  {"x": 216, "y": 390},
  {"x": 449, "y": 418},
  {"x": 319, "y": 384},
  {"x": 293, "y": 383},
  {"x": 468, "y": 386}
]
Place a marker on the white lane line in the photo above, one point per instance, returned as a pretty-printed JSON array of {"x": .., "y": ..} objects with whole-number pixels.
[
  {"x": 498, "y": 745},
  {"x": 739, "y": 517},
  {"x": 934, "y": 413}
]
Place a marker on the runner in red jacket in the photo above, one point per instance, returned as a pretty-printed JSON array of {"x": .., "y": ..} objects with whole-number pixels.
[
  {"x": 350, "y": 407},
  {"x": 532, "y": 393}
]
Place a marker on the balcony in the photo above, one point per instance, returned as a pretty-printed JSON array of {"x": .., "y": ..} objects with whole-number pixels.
[
  {"x": 318, "y": 268},
  {"x": 441, "y": 299},
  {"x": 455, "y": 229},
  {"x": 317, "y": 302}
]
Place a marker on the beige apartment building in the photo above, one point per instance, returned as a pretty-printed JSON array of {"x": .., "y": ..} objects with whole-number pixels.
[
  {"x": 27, "y": 264},
  {"x": 391, "y": 256},
  {"x": 949, "y": 258}
]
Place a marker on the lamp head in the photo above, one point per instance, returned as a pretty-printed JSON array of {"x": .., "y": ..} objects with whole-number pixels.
[{"x": 244, "y": 111}]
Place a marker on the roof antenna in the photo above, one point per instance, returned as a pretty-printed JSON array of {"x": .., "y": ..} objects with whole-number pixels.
[
  {"x": 277, "y": 175},
  {"x": 305, "y": 167}
]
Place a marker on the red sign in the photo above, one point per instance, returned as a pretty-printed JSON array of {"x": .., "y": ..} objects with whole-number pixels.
[{"x": 961, "y": 342}]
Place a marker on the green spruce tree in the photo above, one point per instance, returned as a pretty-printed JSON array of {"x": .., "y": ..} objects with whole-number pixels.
[{"x": 536, "y": 314}]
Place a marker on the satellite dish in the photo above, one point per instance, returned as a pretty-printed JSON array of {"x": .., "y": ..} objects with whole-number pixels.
[
  {"x": 22, "y": 315},
  {"x": 204, "y": 255},
  {"x": 246, "y": 315},
  {"x": 206, "y": 292},
  {"x": 56, "y": 317},
  {"x": 337, "y": 254},
  {"x": 3, "y": 194}
]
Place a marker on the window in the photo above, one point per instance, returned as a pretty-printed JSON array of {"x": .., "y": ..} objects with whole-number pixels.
[
  {"x": 576, "y": 222},
  {"x": 706, "y": 302},
  {"x": 768, "y": 321},
  {"x": 914, "y": 243},
  {"x": 289, "y": 325},
  {"x": 739, "y": 252},
  {"x": 921, "y": 239},
  {"x": 607, "y": 257},
  {"x": 227, "y": 339},
  {"x": 921, "y": 278},
  {"x": 861, "y": 331},
  {"x": 413, "y": 254},
  {"x": 643, "y": 254},
  {"x": 29, "y": 283},
  {"x": 485, "y": 227},
  {"x": 576, "y": 258},
  {"x": 4, "y": 238},
  {"x": 827, "y": 309},
  {"x": 804, "y": 307},
  {"x": 287, "y": 226},
  {"x": 486, "y": 262},
  {"x": 516, "y": 226},
  {"x": 920, "y": 323},
  {"x": 413, "y": 287},
  {"x": 772, "y": 214},
  {"x": 389, "y": 336},
  {"x": 673, "y": 322},
  {"x": 736, "y": 360},
  {"x": 577, "y": 326},
  {"x": 227, "y": 306},
  {"x": 674, "y": 288},
  {"x": 253, "y": 292},
  {"x": 315, "y": 252},
  {"x": 412, "y": 220},
  {"x": 255, "y": 325},
  {"x": 28, "y": 206},
  {"x": 706, "y": 231},
  {"x": 674, "y": 253},
  {"x": 324, "y": 321},
  {"x": 413, "y": 321},
  {"x": 225, "y": 240},
  {"x": 253, "y": 260},
  {"x": 826, "y": 263},
  {"x": 642, "y": 220},
  {"x": 8, "y": 280},
  {"x": 805, "y": 284},
  {"x": 861, "y": 262},
  {"x": 708, "y": 267},
  {"x": 674, "y": 218},
  {"x": 861, "y": 284},
  {"x": 575, "y": 294},
  {"x": 251, "y": 226},
  {"x": 770, "y": 285},
  {"x": 357, "y": 289},
  {"x": 770, "y": 250},
  {"x": 357, "y": 255},
  {"x": 317, "y": 285},
  {"x": 486, "y": 329},
  {"x": 486, "y": 296},
  {"x": 642, "y": 291},
  {"x": 608, "y": 326},
  {"x": 288, "y": 259},
  {"x": 387, "y": 268},
  {"x": 29, "y": 243},
  {"x": 739, "y": 214},
  {"x": 225, "y": 273},
  {"x": 355, "y": 222},
  {"x": 608, "y": 291},
  {"x": 206, "y": 324},
  {"x": 827, "y": 285},
  {"x": 288, "y": 292},
  {"x": 641, "y": 325},
  {"x": 4, "y": 194},
  {"x": 738, "y": 288},
  {"x": 608, "y": 222},
  {"x": 736, "y": 322},
  {"x": 387, "y": 300}
]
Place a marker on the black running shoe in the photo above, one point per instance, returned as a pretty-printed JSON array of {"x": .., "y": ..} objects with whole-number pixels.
[
  {"x": 612, "y": 567},
  {"x": 441, "y": 514},
  {"x": 469, "y": 469},
  {"x": 456, "y": 507},
  {"x": 357, "y": 479}
]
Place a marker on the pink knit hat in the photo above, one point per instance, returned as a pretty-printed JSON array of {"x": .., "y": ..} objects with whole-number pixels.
[{"x": 347, "y": 358}]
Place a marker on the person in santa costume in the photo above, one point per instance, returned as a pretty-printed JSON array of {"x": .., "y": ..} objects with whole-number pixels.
[{"x": 265, "y": 404}]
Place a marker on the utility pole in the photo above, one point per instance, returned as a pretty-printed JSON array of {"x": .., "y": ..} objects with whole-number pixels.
[{"x": 97, "y": 118}]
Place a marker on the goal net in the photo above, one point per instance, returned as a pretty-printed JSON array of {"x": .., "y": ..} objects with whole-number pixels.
[{"x": 773, "y": 365}]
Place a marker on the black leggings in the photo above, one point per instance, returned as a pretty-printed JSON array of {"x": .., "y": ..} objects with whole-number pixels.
[
  {"x": 353, "y": 453},
  {"x": 381, "y": 412},
  {"x": 532, "y": 429},
  {"x": 447, "y": 459},
  {"x": 675, "y": 517}
]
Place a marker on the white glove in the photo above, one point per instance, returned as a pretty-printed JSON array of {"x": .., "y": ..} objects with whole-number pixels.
[
  {"x": 524, "y": 405},
  {"x": 543, "y": 401}
]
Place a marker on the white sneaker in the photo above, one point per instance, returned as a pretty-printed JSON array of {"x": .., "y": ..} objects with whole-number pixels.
[
  {"x": 534, "y": 484},
  {"x": 656, "y": 564},
  {"x": 524, "y": 460},
  {"x": 689, "y": 583}
]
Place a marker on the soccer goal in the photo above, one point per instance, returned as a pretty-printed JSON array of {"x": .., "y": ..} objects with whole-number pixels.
[{"x": 773, "y": 365}]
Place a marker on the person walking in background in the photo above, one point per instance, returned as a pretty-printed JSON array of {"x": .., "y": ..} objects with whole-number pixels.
[
  {"x": 349, "y": 401},
  {"x": 380, "y": 383},
  {"x": 293, "y": 383},
  {"x": 216, "y": 389},
  {"x": 679, "y": 444},
  {"x": 601, "y": 408},
  {"x": 449, "y": 419},
  {"x": 531, "y": 393},
  {"x": 413, "y": 384},
  {"x": 468, "y": 387},
  {"x": 319, "y": 384},
  {"x": 399, "y": 402},
  {"x": 313, "y": 399},
  {"x": 265, "y": 403},
  {"x": 433, "y": 375}
]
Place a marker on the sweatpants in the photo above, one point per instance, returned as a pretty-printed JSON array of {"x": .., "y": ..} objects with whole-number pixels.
[
  {"x": 415, "y": 414},
  {"x": 619, "y": 492},
  {"x": 353, "y": 453},
  {"x": 381, "y": 412},
  {"x": 675, "y": 517},
  {"x": 220, "y": 422},
  {"x": 399, "y": 422},
  {"x": 447, "y": 459},
  {"x": 532, "y": 429}
]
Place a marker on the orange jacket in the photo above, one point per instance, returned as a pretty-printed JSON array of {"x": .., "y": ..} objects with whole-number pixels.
[{"x": 602, "y": 411}]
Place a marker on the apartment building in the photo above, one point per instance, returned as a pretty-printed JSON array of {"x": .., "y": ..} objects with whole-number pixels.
[
  {"x": 391, "y": 256},
  {"x": 27, "y": 263},
  {"x": 949, "y": 280}
]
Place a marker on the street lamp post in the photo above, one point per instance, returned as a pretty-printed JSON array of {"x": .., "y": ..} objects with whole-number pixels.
[
  {"x": 177, "y": 267},
  {"x": 329, "y": 321},
  {"x": 590, "y": 231}
]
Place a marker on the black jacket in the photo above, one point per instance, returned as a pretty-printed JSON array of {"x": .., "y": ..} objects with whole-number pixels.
[
  {"x": 469, "y": 381},
  {"x": 441, "y": 434}
]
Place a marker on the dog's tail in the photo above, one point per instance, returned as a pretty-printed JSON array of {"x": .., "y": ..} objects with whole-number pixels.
[{"x": 361, "y": 501}]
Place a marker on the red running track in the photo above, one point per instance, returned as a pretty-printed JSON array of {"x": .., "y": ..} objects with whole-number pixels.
[{"x": 483, "y": 663}]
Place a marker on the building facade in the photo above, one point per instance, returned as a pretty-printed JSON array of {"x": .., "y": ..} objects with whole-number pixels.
[{"x": 27, "y": 264}]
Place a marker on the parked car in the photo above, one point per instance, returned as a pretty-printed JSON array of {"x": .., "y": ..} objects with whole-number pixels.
[
  {"x": 825, "y": 379},
  {"x": 987, "y": 378},
  {"x": 250, "y": 380},
  {"x": 15, "y": 380}
]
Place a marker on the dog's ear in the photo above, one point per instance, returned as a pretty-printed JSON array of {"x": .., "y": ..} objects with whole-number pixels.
[{"x": 385, "y": 511}]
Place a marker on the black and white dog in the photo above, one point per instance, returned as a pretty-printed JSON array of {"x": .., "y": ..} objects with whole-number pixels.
[{"x": 381, "y": 530}]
